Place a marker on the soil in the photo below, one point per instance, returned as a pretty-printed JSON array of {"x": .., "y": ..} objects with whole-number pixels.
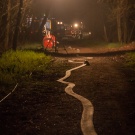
[{"x": 36, "y": 108}]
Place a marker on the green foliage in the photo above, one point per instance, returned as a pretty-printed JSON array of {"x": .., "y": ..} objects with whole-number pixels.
[
  {"x": 114, "y": 45},
  {"x": 98, "y": 44},
  {"x": 30, "y": 46},
  {"x": 17, "y": 65},
  {"x": 131, "y": 60}
]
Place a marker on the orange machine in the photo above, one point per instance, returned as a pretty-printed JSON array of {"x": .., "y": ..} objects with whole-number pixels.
[{"x": 49, "y": 41}]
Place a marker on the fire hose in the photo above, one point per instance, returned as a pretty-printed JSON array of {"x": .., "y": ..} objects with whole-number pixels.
[{"x": 87, "y": 126}]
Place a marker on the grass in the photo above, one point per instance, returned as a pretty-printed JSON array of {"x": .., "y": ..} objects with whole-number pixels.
[
  {"x": 130, "y": 60},
  {"x": 95, "y": 44},
  {"x": 17, "y": 65},
  {"x": 85, "y": 43},
  {"x": 106, "y": 45},
  {"x": 114, "y": 45},
  {"x": 30, "y": 46}
]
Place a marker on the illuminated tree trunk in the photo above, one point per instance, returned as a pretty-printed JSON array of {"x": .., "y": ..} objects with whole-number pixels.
[
  {"x": 119, "y": 27},
  {"x": 125, "y": 21},
  {"x": 118, "y": 18},
  {"x": 18, "y": 20},
  {"x": 105, "y": 34},
  {"x": 125, "y": 34},
  {"x": 131, "y": 33}
]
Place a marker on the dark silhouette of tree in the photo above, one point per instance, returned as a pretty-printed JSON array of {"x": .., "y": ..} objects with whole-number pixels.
[
  {"x": 18, "y": 20},
  {"x": 8, "y": 22},
  {"x": 120, "y": 13}
]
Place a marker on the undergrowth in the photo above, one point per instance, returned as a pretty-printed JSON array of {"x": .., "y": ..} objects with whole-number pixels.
[
  {"x": 96, "y": 44},
  {"x": 131, "y": 60},
  {"x": 17, "y": 65}
]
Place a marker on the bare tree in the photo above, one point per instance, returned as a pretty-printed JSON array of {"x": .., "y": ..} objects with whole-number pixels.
[
  {"x": 16, "y": 33},
  {"x": 120, "y": 11},
  {"x": 10, "y": 20},
  {"x": 3, "y": 21},
  {"x": 13, "y": 16},
  {"x": 6, "y": 43}
]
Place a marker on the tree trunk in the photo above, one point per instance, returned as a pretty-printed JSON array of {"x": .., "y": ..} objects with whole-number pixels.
[
  {"x": 131, "y": 33},
  {"x": 125, "y": 21},
  {"x": 119, "y": 26},
  {"x": 6, "y": 43},
  {"x": 125, "y": 30},
  {"x": 16, "y": 33},
  {"x": 105, "y": 34}
]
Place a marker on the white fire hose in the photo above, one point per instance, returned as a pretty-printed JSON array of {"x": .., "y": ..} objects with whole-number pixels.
[{"x": 87, "y": 126}]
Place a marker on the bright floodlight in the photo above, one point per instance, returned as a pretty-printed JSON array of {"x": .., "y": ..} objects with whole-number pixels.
[{"x": 75, "y": 25}]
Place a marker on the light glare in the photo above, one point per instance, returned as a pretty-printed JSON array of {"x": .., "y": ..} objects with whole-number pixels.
[{"x": 75, "y": 25}]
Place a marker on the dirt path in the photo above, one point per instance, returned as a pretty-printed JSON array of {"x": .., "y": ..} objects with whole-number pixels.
[
  {"x": 87, "y": 127},
  {"x": 37, "y": 109},
  {"x": 110, "y": 87}
]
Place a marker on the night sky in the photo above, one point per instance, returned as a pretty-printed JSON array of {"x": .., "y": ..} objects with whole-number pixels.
[{"x": 87, "y": 11}]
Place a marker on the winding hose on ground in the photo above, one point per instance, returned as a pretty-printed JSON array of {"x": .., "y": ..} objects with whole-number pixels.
[{"x": 87, "y": 126}]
